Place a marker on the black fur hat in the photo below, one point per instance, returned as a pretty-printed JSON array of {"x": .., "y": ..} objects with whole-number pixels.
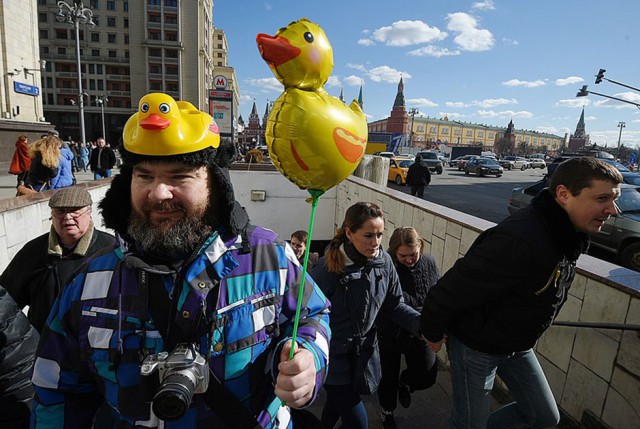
[{"x": 115, "y": 207}]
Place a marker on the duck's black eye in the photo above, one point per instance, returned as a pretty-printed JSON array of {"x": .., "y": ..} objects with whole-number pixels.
[
  {"x": 164, "y": 108},
  {"x": 144, "y": 107},
  {"x": 308, "y": 37}
]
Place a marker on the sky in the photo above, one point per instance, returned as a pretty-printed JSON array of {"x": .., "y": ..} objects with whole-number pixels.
[{"x": 485, "y": 61}]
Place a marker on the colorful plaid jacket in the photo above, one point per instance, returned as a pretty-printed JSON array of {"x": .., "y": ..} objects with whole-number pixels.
[{"x": 100, "y": 330}]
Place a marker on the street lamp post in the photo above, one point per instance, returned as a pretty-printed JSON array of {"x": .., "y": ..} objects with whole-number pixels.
[
  {"x": 76, "y": 15},
  {"x": 413, "y": 112},
  {"x": 102, "y": 100},
  {"x": 621, "y": 126}
]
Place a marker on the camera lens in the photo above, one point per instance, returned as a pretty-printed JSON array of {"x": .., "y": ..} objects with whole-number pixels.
[{"x": 174, "y": 397}]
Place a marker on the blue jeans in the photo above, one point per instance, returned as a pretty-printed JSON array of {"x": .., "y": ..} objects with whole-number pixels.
[
  {"x": 472, "y": 376},
  {"x": 343, "y": 403},
  {"x": 101, "y": 174}
]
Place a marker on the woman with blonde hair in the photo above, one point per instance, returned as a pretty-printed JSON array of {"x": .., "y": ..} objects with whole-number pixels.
[
  {"x": 45, "y": 160},
  {"x": 358, "y": 276},
  {"x": 418, "y": 272}
]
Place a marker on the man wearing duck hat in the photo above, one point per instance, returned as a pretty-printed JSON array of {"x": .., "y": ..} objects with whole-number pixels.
[{"x": 189, "y": 319}]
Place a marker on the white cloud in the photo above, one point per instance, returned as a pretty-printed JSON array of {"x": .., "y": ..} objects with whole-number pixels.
[
  {"x": 636, "y": 120},
  {"x": 333, "y": 81},
  {"x": 268, "y": 6},
  {"x": 573, "y": 102},
  {"x": 629, "y": 96},
  {"x": 484, "y": 5},
  {"x": 508, "y": 41},
  {"x": 457, "y": 104},
  {"x": 470, "y": 38},
  {"x": 569, "y": 80},
  {"x": 543, "y": 129},
  {"x": 245, "y": 99},
  {"x": 353, "y": 80},
  {"x": 527, "y": 84},
  {"x": 492, "y": 102},
  {"x": 268, "y": 83},
  {"x": 405, "y": 33},
  {"x": 591, "y": 118},
  {"x": 451, "y": 115},
  {"x": 433, "y": 51},
  {"x": 387, "y": 74},
  {"x": 503, "y": 114},
  {"x": 421, "y": 102},
  {"x": 486, "y": 103},
  {"x": 356, "y": 66},
  {"x": 366, "y": 42}
]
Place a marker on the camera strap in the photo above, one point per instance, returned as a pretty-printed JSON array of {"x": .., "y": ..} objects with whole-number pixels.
[{"x": 227, "y": 407}]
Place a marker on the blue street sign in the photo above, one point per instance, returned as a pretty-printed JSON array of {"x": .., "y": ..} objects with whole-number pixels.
[{"x": 23, "y": 88}]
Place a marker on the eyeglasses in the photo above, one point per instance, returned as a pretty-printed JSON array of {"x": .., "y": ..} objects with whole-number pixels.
[{"x": 75, "y": 213}]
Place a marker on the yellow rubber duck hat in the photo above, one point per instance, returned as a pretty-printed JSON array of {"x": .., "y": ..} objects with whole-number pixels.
[{"x": 164, "y": 127}]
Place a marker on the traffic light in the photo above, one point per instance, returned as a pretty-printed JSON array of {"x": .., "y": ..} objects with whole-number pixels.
[
  {"x": 600, "y": 75},
  {"x": 583, "y": 91}
]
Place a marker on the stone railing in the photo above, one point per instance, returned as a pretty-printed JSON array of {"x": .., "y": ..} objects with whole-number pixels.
[{"x": 594, "y": 373}]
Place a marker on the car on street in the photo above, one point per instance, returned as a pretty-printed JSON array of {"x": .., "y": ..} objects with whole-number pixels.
[
  {"x": 385, "y": 154},
  {"x": 398, "y": 168},
  {"x": 514, "y": 162},
  {"x": 463, "y": 161},
  {"x": 483, "y": 167},
  {"x": 619, "y": 235},
  {"x": 407, "y": 155},
  {"x": 430, "y": 157},
  {"x": 537, "y": 163}
]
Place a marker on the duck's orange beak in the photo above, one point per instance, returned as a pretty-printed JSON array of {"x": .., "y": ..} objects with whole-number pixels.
[
  {"x": 276, "y": 50},
  {"x": 154, "y": 122}
]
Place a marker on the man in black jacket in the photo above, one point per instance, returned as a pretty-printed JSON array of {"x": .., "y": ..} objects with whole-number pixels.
[
  {"x": 43, "y": 265},
  {"x": 18, "y": 341},
  {"x": 418, "y": 177},
  {"x": 497, "y": 300},
  {"x": 102, "y": 160}
]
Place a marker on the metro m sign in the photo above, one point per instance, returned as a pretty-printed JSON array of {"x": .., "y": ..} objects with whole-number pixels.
[{"x": 220, "y": 82}]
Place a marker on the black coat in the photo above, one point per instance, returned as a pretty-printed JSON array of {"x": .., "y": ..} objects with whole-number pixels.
[
  {"x": 18, "y": 341},
  {"x": 418, "y": 174},
  {"x": 505, "y": 292},
  {"x": 107, "y": 159},
  {"x": 34, "y": 277},
  {"x": 39, "y": 174},
  {"x": 357, "y": 297}
]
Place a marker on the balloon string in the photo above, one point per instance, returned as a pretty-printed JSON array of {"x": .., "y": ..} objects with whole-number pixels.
[{"x": 315, "y": 194}]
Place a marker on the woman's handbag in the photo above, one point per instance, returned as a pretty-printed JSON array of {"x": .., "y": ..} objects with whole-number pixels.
[{"x": 28, "y": 190}]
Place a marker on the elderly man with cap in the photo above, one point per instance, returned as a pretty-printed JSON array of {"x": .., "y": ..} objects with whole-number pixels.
[
  {"x": 38, "y": 271},
  {"x": 188, "y": 321}
]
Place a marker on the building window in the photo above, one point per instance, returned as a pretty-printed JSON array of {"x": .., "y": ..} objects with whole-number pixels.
[
  {"x": 95, "y": 52},
  {"x": 92, "y": 84},
  {"x": 98, "y": 68},
  {"x": 154, "y": 18},
  {"x": 111, "y": 21},
  {"x": 219, "y": 45},
  {"x": 480, "y": 134},
  {"x": 117, "y": 103},
  {"x": 62, "y": 51},
  {"x": 171, "y": 37},
  {"x": 126, "y": 39},
  {"x": 61, "y": 34},
  {"x": 173, "y": 70},
  {"x": 432, "y": 130},
  {"x": 94, "y": 4},
  {"x": 458, "y": 132},
  {"x": 155, "y": 86},
  {"x": 171, "y": 53},
  {"x": 155, "y": 52},
  {"x": 42, "y": 2},
  {"x": 445, "y": 130},
  {"x": 154, "y": 35},
  {"x": 421, "y": 128},
  {"x": 113, "y": 54},
  {"x": 491, "y": 135},
  {"x": 154, "y": 2},
  {"x": 42, "y": 17},
  {"x": 100, "y": 85},
  {"x": 44, "y": 49},
  {"x": 111, "y": 38},
  {"x": 171, "y": 19},
  {"x": 44, "y": 34},
  {"x": 219, "y": 54},
  {"x": 155, "y": 68},
  {"x": 126, "y": 23},
  {"x": 126, "y": 54},
  {"x": 171, "y": 3},
  {"x": 469, "y": 133},
  {"x": 115, "y": 86},
  {"x": 49, "y": 98},
  {"x": 95, "y": 37},
  {"x": 111, "y": 5},
  {"x": 49, "y": 82},
  {"x": 92, "y": 68},
  {"x": 125, "y": 6},
  {"x": 172, "y": 86},
  {"x": 96, "y": 20}
]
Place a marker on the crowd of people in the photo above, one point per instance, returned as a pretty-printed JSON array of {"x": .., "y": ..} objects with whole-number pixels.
[
  {"x": 185, "y": 316},
  {"x": 51, "y": 163}
]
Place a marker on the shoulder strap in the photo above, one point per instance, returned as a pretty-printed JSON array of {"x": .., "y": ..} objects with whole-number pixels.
[{"x": 226, "y": 406}]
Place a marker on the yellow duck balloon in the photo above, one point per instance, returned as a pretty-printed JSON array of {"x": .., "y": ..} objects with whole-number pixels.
[
  {"x": 163, "y": 126},
  {"x": 314, "y": 139}
]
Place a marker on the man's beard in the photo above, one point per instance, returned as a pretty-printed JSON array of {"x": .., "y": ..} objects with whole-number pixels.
[{"x": 170, "y": 239}]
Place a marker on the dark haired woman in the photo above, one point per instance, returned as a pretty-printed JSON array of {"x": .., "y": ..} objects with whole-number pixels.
[
  {"x": 358, "y": 276},
  {"x": 417, "y": 273}
]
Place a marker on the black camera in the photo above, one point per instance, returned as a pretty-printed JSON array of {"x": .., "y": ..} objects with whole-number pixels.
[{"x": 169, "y": 380}]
